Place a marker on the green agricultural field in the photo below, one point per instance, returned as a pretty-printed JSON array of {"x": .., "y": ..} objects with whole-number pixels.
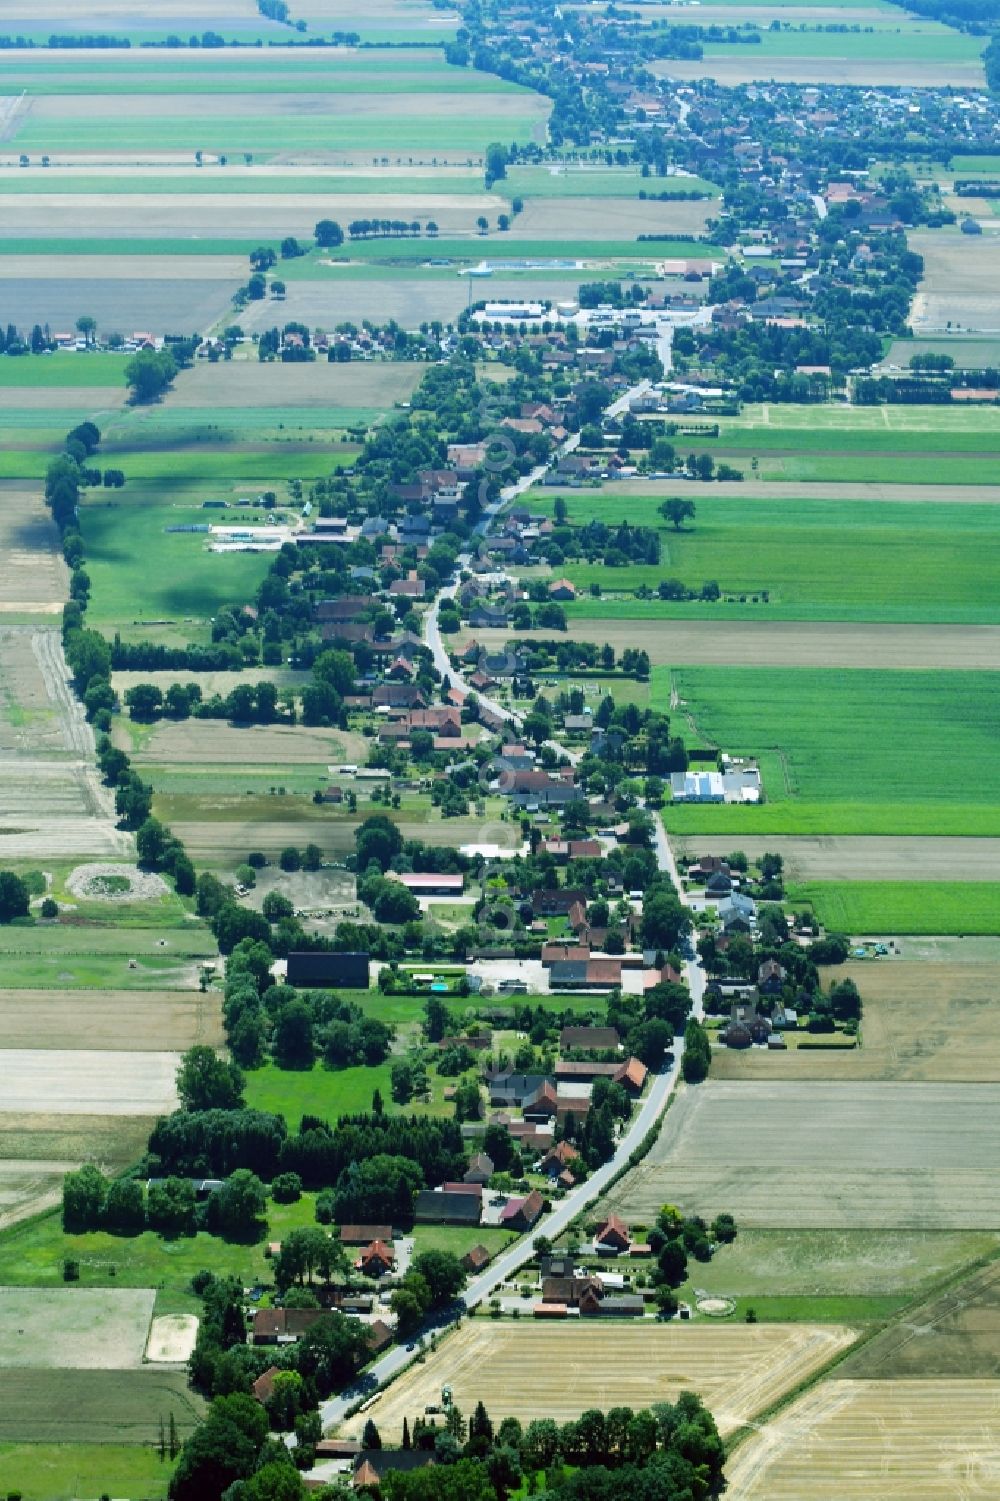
[
  {"x": 890, "y": 741},
  {"x": 190, "y": 941},
  {"x": 218, "y": 181},
  {"x": 63, "y": 1472},
  {"x": 268, "y": 135},
  {"x": 976, "y": 166},
  {"x": 410, "y": 72},
  {"x": 575, "y": 181},
  {"x": 822, "y": 560},
  {"x": 110, "y": 1407},
  {"x": 77, "y": 369},
  {"x": 880, "y": 907}
]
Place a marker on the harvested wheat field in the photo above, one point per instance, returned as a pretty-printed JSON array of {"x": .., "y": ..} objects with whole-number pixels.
[
  {"x": 738, "y": 1370},
  {"x": 905, "y": 1156},
  {"x": 243, "y": 215},
  {"x": 958, "y": 287},
  {"x": 713, "y": 643},
  {"x": 854, "y": 1440},
  {"x": 37, "y": 1150},
  {"x": 63, "y": 1081},
  {"x": 34, "y": 577},
  {"x": 116, "y": 1020},
  {"x": 921, "y": 1021},
  {"x": 206, "y": 742},
  {"x": 883, "y": 857},
  {"x": 251, "y": 384},
  {"x": 27, "y": 1187}
]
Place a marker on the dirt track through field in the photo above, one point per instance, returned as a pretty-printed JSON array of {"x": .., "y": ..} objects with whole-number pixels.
[
  {"x": 754, "y": 643},
  {"x": 879, "y": 858}
]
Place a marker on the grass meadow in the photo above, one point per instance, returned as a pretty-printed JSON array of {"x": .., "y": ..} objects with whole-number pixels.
[
  {"x": 62, "y": 1472},
  {"x": 189, "y": 581},
  {"x": 879, "y": 907},
  {"x": 899, "y": 752}
]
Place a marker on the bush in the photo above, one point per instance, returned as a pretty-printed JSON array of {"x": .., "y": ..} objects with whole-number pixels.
[
  {"x": 50, "y": 908},
  {"x": 70, "y": 1270},
  {"x": 286, "y": 1188}
]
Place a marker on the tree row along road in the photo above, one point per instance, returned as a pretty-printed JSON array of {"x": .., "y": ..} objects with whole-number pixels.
[{"x": 663, "y": 1085}]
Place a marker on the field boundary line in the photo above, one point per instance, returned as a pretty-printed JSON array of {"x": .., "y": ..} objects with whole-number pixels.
[{"x": 927, "y": 1296}]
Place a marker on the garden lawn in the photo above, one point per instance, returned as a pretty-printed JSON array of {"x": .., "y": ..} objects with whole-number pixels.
[
  {"x": 329, "y": 1093},
  {"x": 879, "y": 907}
]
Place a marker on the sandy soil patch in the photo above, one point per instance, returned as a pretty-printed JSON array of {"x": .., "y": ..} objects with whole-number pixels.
[
  {"x": 885, "y": 73},
  {"x": 923, "y": 1440},
  {"x": 907, "y": 1156},
  {"x": 738, "y": 1370},
  {"x": 115, "y": 883},
  {"x": 80, "y": 1328},
  {"x": 881, "y": 858},
  {"x": 81, "y": 1081},
  {"x": 115, "y": 1020},
  {"x": 172, "y": 1337},
  {"x": 792, "y": 644},
  {"x": 247, "y": 383}
]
